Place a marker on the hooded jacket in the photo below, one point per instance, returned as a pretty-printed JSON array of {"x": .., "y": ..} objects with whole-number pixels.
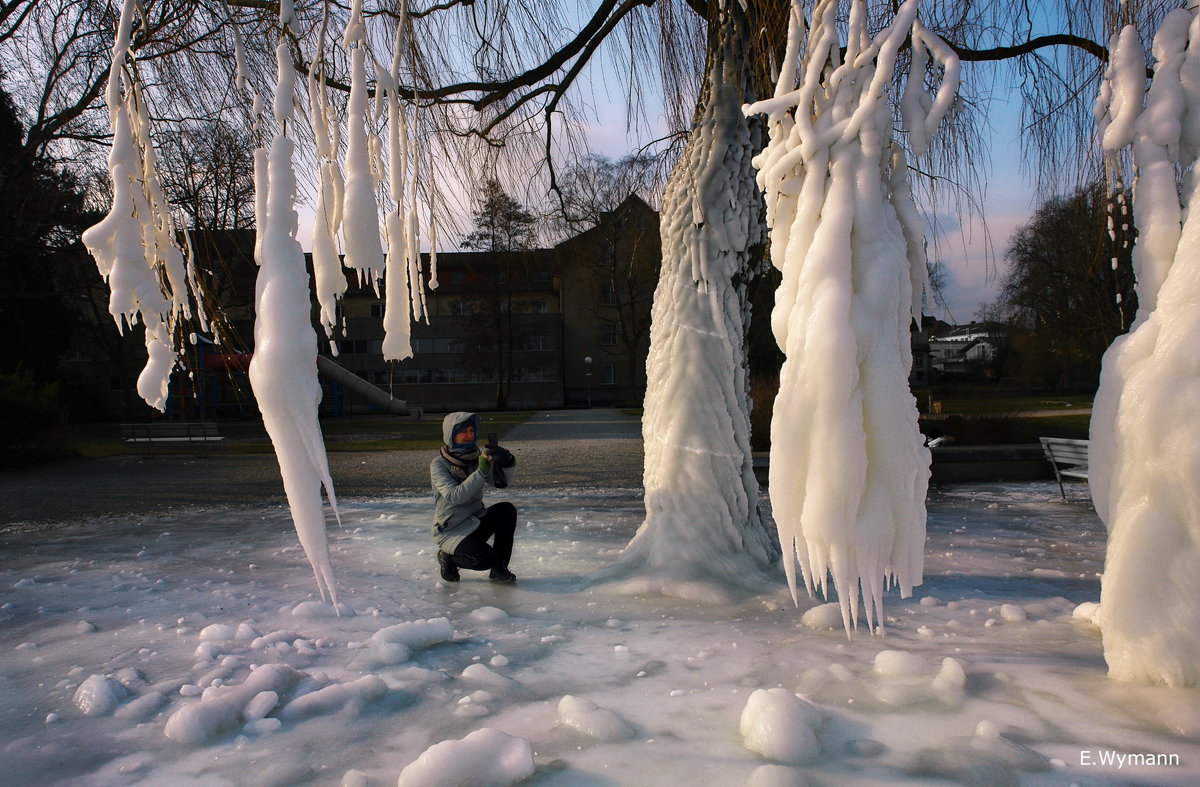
[{"x": 457, "y": 506}]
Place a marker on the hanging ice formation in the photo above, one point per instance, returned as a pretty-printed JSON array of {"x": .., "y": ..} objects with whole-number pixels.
[
  {"x": 360, "y": 213},
  {"x": 1145, "y": 438},
  {"x": 849, "y": 470},
  {"x": 702, "y": 535},
  {"x": 283, "y": 370},
  {"x": 135, "y": 245},
  {"x": 329, "y": 280},
  {"x": 404, "y": 293}
]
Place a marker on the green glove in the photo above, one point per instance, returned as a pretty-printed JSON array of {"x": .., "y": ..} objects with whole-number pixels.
[{"x": 485, "y": 464}]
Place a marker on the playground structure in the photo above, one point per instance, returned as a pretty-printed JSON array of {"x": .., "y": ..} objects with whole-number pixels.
[{"x": 222, "y": 389}]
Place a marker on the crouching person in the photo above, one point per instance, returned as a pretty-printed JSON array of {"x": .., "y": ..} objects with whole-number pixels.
[{"x": 462, "y": 524}]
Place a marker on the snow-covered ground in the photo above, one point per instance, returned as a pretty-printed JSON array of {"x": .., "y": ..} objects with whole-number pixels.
[{"x": 189, "y": 650}]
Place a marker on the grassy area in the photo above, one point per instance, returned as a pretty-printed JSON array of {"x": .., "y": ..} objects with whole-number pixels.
[
  {"x": 355, "y": 433},
  {"x": 1025, "y": 404}
]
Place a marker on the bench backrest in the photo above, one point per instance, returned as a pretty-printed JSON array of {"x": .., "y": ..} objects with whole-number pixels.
[
  {"x": 1063, "y": 451},
  {"x": 167, "y": 429}
]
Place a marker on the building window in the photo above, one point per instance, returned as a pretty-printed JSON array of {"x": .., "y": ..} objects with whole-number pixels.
[
  {"x": 541, "y": 280},
  {"x": 355, "y": 346},
  {"x": 377, "y": 310},
  {"x": 608, "y": 374},
  {"x": 458, "y": 278},
  {"x": 414, "y": 376},
  {"x": 537, "y": 307},
  {"x": 449, "y": 344},
  {"x": 608, "y": 334},
  {"x": 536, "y": 374},
  {"x": 539, "y": 343},
  {"x": 458, "y": 307},
  {"x": 608, "y": 294}
]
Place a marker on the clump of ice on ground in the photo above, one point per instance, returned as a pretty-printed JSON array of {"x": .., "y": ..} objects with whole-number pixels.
[{"x": 1145, "y": 446}]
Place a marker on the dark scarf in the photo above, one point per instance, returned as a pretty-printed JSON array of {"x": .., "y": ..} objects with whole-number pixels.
[{"x": 462, "y": 462}]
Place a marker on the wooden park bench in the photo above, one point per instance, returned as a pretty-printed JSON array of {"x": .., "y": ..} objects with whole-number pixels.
[
  {"x": 168, "y": 433},
  {"x": 1067, "y": 457}
]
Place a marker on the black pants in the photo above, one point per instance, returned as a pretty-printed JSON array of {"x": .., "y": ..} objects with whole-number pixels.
[{"x": 498, "y": 524}]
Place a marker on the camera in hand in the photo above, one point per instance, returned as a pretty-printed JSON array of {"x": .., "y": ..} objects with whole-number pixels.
[{"x": 502, "y": 459}]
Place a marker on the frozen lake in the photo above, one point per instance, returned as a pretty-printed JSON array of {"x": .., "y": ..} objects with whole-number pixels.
[{"x": 990, "y": 674}]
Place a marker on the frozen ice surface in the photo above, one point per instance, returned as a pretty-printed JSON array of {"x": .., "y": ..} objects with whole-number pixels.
[{"x": 305, "y": 698}]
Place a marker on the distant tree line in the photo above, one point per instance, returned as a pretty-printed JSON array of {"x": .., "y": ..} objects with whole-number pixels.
[{"x": 1068, "y": 291}]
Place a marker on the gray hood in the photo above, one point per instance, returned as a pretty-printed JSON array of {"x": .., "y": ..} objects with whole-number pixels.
[{"x": 453, "y": 421}]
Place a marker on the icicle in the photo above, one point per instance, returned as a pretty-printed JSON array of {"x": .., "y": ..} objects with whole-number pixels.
[
  {"x": 397, "y": 326},
  {"x": 283, "y": 371},
  {"x": 360, "y": 213},
  {"x": 329, "y": 278}
]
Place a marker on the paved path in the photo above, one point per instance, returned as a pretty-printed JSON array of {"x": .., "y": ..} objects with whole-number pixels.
[{"x": 560, "y": 448}]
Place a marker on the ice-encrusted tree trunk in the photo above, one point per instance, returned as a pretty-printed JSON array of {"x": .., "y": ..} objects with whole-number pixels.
[
  {"x": 849, "y": 469},
  {"x": 703, "y": 536},
  {"x": 1144, "y": 467}
]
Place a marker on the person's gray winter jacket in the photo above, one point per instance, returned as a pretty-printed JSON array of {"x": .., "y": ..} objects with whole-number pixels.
[{"x": 457, "y": 505}]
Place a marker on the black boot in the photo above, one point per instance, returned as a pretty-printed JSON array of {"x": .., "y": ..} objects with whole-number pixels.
[
  {"x": 502, "y": 576},
  {"x": 448, "y": 568}
]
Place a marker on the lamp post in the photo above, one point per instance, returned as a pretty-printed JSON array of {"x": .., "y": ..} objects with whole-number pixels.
[{"x": 587, "y": 361}]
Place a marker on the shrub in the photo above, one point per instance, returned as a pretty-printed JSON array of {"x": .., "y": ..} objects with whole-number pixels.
[{"x": 32, "y": 416}]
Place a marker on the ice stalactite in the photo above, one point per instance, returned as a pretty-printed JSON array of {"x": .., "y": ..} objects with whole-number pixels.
[
  {"x": 1145, "y": 438},
  {"x": 328, "y": 277},
  {"x": 397, "y": 325},
  {"x": 135, "y": 245},
  {"x": 283, "y": 371},
  {"x": 703, "y": 537},
  {"x": 360, "y": 213},
  {"x": 849, "y": 469}
]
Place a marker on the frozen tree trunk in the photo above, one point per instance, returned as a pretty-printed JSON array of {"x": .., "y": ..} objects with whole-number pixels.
[
  {"x": 1145, "y": 464},
  {"x": 703, "y": 537}
]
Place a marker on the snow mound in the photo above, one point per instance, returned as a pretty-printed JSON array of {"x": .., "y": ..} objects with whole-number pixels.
[
  {"x": 1087, "y": 612},
  {"x": 781, "y": 726},
  {"x": 824, "y": 616},
  {"x": 320, "y": 609},
  {"x": 485, "y": 758},
  {"x": 416, "y": 633},
  {"x": 357, "y": 693},
  {"x": 478, "y": 673},
  {"x": 99, "y": 695},
  {"x": 903, "y": 679},
  {"x": 218, "y": 632},
  {"x": 986, "y": 758},
  {"x": 488, "y": 614},
  {"x": 226, "y": 708},
  {"x": 589, "y": 718}
]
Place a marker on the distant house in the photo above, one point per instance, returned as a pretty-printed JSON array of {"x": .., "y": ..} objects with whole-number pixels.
[{"x": 966, "y": 350}]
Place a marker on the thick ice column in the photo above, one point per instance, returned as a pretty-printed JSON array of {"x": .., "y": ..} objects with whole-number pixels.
[
  {"x": 702, "y": 535},
  {"x": 1145, "y": 458},
  {"x": 849, "y": 470}
]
